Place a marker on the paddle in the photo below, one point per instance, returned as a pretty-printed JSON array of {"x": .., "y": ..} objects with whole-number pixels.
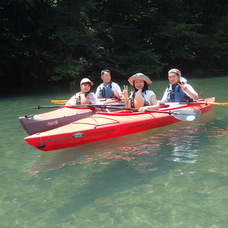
[
  {"x": 101, "y": 99},
  {"x": 206, "y": 103},
  {"x": 80, "y": 106},
  {"x": 184, "y": 115},
  {"x": 181, "y": 114}
]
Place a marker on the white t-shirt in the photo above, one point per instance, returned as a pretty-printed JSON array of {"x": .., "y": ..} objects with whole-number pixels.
[
  {"x": 116, "y": 88},
  {"x": 146, "y": 95}
]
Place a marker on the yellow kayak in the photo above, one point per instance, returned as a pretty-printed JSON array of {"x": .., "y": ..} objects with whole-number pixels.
[{"x": 59, "y": 101}]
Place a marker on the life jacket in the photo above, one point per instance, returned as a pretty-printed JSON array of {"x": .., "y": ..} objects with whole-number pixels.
[
  {"x": 176, "y": 94},
  {"x": 105, "y": 91},
  {"x": 132, "y": 97},
  {"x": 78, "y": 97}
]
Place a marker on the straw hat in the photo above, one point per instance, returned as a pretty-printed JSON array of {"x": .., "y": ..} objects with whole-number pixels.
[
  {"x": 139, "y": 76},
  {"x": 85, "y": 80}
]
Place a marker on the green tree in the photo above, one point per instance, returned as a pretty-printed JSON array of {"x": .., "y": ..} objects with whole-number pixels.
[{"x": 60, "y": 40}]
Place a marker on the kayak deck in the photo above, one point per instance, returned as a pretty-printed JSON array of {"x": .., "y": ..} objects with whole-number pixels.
[{"x": 54, "y": 119}]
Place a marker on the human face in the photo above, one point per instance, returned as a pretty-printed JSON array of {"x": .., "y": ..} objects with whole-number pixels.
[
  {"x": 173, "y": 78},
  {"x": 139, "y": 84},
  {"x": 85, "y": 87},
  {"x": 106, "y": 77}
]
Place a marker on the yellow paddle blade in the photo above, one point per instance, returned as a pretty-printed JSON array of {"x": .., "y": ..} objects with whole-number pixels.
[
  {"x": 215, "y": 103},
  {"x": 59, "y": 101}
]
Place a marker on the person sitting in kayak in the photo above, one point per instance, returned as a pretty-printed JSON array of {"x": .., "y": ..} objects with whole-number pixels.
[
  {"x": 142, "y": 98},
  {"x": 178, "y": 90},
  {"x": 108, "y": 89},
  {"x": 84, "y": 96}
]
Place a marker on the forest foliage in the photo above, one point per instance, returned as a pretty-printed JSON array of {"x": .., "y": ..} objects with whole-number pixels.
[{"x": 45, "y": 41}]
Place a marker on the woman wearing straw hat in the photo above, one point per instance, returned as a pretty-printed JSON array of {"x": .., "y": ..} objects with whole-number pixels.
[
  {"x": 84, "y": 96},
  {"x": 142, "y": 98}
]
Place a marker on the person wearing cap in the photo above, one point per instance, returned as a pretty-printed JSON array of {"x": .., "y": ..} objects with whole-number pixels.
[
  {"x": 178, "y": 90},
  {"x": 142, "y": 98},
  {"x": 108, "y": 89},
  {"x": 84, "y": 96}
]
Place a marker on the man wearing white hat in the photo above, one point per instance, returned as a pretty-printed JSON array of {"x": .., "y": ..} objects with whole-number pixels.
[
  {"x": 178, "y": 89},
  {"x": 84, "y": 96}
]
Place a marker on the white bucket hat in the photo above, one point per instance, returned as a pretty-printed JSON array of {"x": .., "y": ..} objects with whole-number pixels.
[
  {"x": 175, "y": 71},
  {"x": 86, "y": 80},
  {"x": 140, "y": 76},
  {"x": 178, "y": 73}
]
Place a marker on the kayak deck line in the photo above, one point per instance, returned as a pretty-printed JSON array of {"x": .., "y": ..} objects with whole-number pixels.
[{"x": 97, "y": 124}]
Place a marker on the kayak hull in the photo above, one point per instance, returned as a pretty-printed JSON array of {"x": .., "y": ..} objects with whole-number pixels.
[{"x": 101, "y": 126}]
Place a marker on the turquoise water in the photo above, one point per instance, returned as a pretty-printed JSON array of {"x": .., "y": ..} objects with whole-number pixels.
[{"x": 175, "y": 176}]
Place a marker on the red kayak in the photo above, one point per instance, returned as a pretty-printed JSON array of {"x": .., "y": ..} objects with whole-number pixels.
[{"x": 100, "y": 125}]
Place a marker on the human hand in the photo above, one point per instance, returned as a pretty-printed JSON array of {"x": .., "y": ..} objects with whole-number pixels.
[
  {"x": 125, "y": 92},
  {"x": 139, "y": 91},
  {"x": 143, "y": 109},
  {"x": 183, "y": 86},
  {"x": 116, "y": 94}
]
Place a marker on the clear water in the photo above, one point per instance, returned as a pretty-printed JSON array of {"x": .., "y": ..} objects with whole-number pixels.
[{"x": 175, "y": 176}]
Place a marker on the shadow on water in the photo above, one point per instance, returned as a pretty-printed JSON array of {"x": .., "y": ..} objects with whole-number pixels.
[{"x": 124, "y": 160}]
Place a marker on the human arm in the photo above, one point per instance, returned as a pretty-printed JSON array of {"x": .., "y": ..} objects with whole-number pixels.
[
  {"x": 71, "y": 101},
  {"x": 116, "y": 90},
  {"x": 97, "y": 91},
  {"x": 164, "y": 97},
  {"x": 154, "y": 104},
  {"x": 139, "y": 99},
  {"x": 92, "y": 99}
]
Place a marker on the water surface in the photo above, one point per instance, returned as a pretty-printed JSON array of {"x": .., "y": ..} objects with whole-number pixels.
[{"x": 175, "y": 176}]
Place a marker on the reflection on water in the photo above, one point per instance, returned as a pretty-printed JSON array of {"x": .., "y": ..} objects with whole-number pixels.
[
  {"x": 153, "y": 179},
  {"x": 175, "y": 143}
]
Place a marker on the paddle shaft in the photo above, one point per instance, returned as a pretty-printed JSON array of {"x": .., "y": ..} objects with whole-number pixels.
[
  {"x": 186, "y": 112},
  {"x": 180, "y": 114},
  {"x": 209, "y": 103},
  {"x": 150, "y": 110},
  {"x": 101, "y": 99},
  {"x": 206, "y": 103},
  {"x": 78, "y": 106},
  {"x": 102, "y": 106}
]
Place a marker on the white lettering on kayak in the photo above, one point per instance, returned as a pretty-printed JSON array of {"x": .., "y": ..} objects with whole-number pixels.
[{"x": 52, "y": 123}]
